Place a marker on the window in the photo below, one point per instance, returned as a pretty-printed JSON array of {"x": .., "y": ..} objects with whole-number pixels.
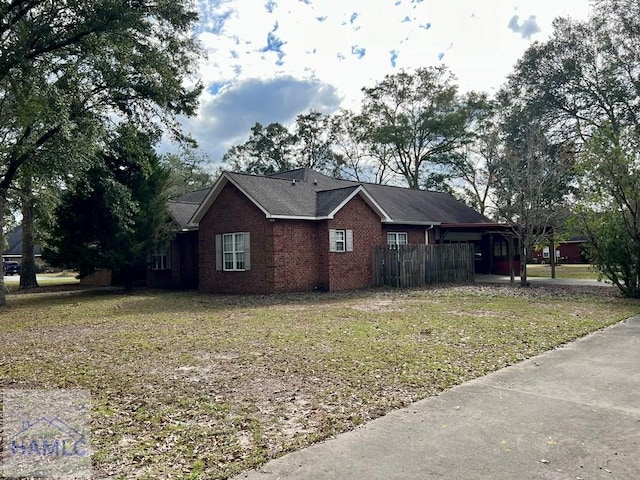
[
  {"x": 340, "y": 245},
  {"x": 500, "y": 248},
  {"x": 341, "y": 240},
  {"x": 232, "y": 252},
  {"x": 160, "y": 259},
  {"x": 397, "y": 238}
]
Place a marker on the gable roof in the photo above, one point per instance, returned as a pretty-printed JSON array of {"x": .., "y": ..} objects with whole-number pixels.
[
  {"x": 182, "y": 209},
  {"x": 306, "y": 194},
  {"x": 14, "y": 244}
]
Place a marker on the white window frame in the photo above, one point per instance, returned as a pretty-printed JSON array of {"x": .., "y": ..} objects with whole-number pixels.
[
  {"x": 393, "y": 238},
  {"x": 233, "y": 252},
  {"x": 340, "y": 241},
  {"x": 160, "y": 259}
]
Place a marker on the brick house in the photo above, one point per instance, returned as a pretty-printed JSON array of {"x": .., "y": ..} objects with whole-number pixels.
[
  {"x": 301, "y": 231},
  {"x": 567, "y": 251}
]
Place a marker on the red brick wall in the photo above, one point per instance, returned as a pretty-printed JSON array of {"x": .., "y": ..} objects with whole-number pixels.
[
  {"x": 352, "y": 270},
  {"x": 571, "y": 253},
  {"x": 288, "y": 255},
  {"x": 296, "y": 262},
  {"x": 233, "y": 212}
]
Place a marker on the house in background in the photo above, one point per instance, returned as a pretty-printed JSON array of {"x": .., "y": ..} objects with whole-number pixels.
[
  {"x": 13, "y": 251},
  {"x": 567, "y": 251},
  {"x": 302, "y": 230}
]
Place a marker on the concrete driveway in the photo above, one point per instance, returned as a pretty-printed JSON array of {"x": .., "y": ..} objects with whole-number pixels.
[
  {"x": 570, "y": 414},
  {"x": 543, "y": 281}
]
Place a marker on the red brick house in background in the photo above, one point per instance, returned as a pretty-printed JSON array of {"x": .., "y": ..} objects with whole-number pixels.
[
  {"x": 301, "y": 230},
  {"x": 567, "y": 251}
]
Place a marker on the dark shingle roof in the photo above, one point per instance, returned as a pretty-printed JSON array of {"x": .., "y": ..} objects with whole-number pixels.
[
  {"x": 184, "y": 207},
  {"x": 279, "y": 196},
  {"x": 194, "y": 197},
  {"x": 404, "y": 205},
  {"x": 309, "y": 194},
  {"x": 329, "y": 200},
  {"x": 14, "y": 243}
]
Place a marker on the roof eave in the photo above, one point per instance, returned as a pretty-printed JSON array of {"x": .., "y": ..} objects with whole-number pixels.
[
  {"x": 411, "y": 222},
  {"x": 204, "y": 207},
  {"x": 368, "y": 198},
  {"x": 476, "y": 225}
]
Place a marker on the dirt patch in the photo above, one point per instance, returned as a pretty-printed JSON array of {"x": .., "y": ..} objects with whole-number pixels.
[{"x": 197, "y": 386}]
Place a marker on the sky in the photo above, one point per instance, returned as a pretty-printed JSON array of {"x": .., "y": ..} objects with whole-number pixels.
[{"x": 271, "y": 60}]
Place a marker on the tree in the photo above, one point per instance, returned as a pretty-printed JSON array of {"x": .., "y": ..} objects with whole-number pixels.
[
  {"x": 585, "y": 76},
  {"x": 28, "y": 278},
  {"x": 112, "y": 215},
  {"x": 268, "y": 150},
  {"x": 476, "y": 165},
  {"x": 609, "y": 206},
  {"x": 68, "y": 64},
  {"x": 533, "y": 180},
  {"x": 422, "y": 119},
  {"x": 313, "y": 141},
  {"x": 188, "y": 172},
  {"x": 356, "y": 158},
  {"x": 583, "y": 84}
]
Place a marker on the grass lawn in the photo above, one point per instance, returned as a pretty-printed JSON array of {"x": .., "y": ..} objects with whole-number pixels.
[
  {"x": 193, "y": 386},
  {"x": 586, "y": 272},
  {"x": 12, "y": 283}
]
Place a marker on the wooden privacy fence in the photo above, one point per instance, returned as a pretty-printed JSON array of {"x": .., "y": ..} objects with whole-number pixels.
[{"x": 418, "y": 265}]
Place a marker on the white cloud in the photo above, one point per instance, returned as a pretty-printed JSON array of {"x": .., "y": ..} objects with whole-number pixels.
[
  {"x": 226, "y": 117},
  {"x": 322, "y": 52}
]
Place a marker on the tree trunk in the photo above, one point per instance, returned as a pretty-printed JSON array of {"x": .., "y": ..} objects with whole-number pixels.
[
  {"x": 552, "y": 256},
  {"x": 28, "y": 268},
  {"x": 3, "y": 206},
  {"x": 523, "y": 265}
]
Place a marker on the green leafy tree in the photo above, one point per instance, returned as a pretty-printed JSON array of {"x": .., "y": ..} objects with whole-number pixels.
[
  {"x": 476, "y": 166},
  {"x": 585, "y": 76},
  {"x": 422, "y": 119},
  {"x": 268, "y": 150},
  {"x": 68, "y": 65},
  {"x": 313, "y": 141},
  {"x": 609, "y": 207},
  {"x": 189, "y": 172},
  {"x": 356, "y": 158},
  {"x": 533, "y": 181},
  {"x": 583, "y": 85},
  {"x": 113, "y": 214}
]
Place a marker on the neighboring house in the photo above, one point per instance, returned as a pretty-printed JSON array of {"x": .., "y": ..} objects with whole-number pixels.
[
  {"x": 14, "y": 246},
  {"x": 567, "y": 251},
  {"x": 301, "y": 230}
]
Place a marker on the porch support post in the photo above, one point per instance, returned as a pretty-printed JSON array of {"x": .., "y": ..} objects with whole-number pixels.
[{"x": 510, "y": 248}]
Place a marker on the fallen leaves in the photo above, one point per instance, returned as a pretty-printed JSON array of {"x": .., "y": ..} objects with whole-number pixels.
[{"x": 204, "y": 386}]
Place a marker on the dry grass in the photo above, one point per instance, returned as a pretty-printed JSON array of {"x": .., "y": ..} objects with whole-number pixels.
[
  {"x": 568, "y": 271},
  {"x": 45, "y": 281},
  {"x": 192, "y": 386}
]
